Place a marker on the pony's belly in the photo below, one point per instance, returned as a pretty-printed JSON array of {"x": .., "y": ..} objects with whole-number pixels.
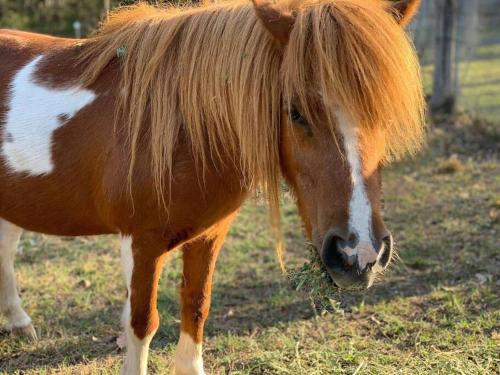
[
  {"x": 59, "y": 225},
  {"x": 43, "y": 205}
]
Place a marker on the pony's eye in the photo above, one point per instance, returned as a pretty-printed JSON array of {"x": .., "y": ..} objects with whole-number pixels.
[{"x": 297, "y": 118}]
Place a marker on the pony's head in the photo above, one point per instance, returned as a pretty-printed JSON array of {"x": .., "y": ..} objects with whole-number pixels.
[
  {"x": 352, "y": 99},
  {"x": 334, "y": 83}
]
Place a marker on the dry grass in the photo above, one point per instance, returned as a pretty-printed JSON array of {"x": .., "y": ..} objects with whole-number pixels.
[
  {"x": 313, "y": 280},
  {"x": 450, "y": 166}
]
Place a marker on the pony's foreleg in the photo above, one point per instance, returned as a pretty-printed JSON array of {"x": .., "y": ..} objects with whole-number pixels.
[
  {"x": 199, "y": 257},
  {"x": 10, "y": 304},
  {"x": 142, "y": 261}
]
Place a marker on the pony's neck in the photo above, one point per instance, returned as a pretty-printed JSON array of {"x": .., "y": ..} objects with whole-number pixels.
[{"x": 212, "y": 73}]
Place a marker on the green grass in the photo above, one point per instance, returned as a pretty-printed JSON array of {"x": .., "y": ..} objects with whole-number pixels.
[{"x": 436, "y": 312}]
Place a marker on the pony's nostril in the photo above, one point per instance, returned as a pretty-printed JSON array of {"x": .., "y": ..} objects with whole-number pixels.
[
  {"x": 388, "y": 241},
  {"x": 386, "y": 249},
  {"x": 332, "y": 257}
]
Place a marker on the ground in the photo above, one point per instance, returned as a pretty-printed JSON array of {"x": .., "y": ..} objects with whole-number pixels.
[{"x": 437, "y": 311}]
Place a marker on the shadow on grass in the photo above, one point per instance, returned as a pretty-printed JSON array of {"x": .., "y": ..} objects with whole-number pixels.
[
  {"x": 76, "y": 345},
  {"x": 241, "y": 310},
  {"x": 69, "y": 249},
  {"x": 68, "y": 352}
]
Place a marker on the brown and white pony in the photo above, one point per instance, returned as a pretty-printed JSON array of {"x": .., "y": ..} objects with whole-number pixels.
[{"x": 158, "y": 127}]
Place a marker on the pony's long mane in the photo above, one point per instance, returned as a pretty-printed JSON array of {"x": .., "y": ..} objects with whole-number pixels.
[
  {"x": 210, "y": 71},
  {"x": 215, "y": 73},
  {"x": 359, "y": 61}
]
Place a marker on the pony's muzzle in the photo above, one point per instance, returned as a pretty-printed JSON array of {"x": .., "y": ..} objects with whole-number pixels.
[{"x": 353, "y": 263}]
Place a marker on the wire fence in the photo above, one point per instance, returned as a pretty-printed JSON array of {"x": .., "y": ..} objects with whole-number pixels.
[{"x": 477, "y": 44}]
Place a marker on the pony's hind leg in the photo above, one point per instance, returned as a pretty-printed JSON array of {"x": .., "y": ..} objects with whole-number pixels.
[{"x": 10, "y": 303}]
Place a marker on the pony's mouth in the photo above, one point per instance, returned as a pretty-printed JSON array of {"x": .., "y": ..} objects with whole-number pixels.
[{"x": 351, "y": 280}]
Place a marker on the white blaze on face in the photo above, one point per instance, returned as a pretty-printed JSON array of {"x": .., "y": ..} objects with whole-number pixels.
[
  {"x": 188, "y": 357},
  {"x": 34, "y": 113},
  {"x": 360, "y": 212}
]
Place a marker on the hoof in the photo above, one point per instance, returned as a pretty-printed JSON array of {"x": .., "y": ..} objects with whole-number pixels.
[
  {"x": 194, "y": 372},
  {"x": 121, "y": 341},
  {"x": 28, "y": 332}
]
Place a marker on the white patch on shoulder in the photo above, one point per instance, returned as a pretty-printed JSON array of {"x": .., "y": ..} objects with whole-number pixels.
[
  {"x": 360, "y": 212},
  {"x": 35, "y": 112},
  {"x": 188, "y": 357}
]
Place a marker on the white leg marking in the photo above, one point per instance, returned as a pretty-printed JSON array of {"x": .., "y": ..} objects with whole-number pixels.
[
  {"x": 360, "y": 212},
  {"x": 35, "y": 112},
  {"x": 136, "y": 361},
  {"x": 127, "y": 260},
  {"x": 188, "y": 357},
  {"x": 10, "y": 303}
]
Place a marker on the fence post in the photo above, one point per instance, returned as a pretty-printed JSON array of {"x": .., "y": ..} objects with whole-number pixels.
[{"x": 445, "y": 75}]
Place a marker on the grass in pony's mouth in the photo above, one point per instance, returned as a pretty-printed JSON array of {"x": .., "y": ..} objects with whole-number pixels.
[{"x": 313, "y": 279}]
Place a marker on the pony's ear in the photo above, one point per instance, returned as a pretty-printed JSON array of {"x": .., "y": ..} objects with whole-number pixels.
[
  {"x": 404, "y": 10},
  {"x": 278, "y": 22}
]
